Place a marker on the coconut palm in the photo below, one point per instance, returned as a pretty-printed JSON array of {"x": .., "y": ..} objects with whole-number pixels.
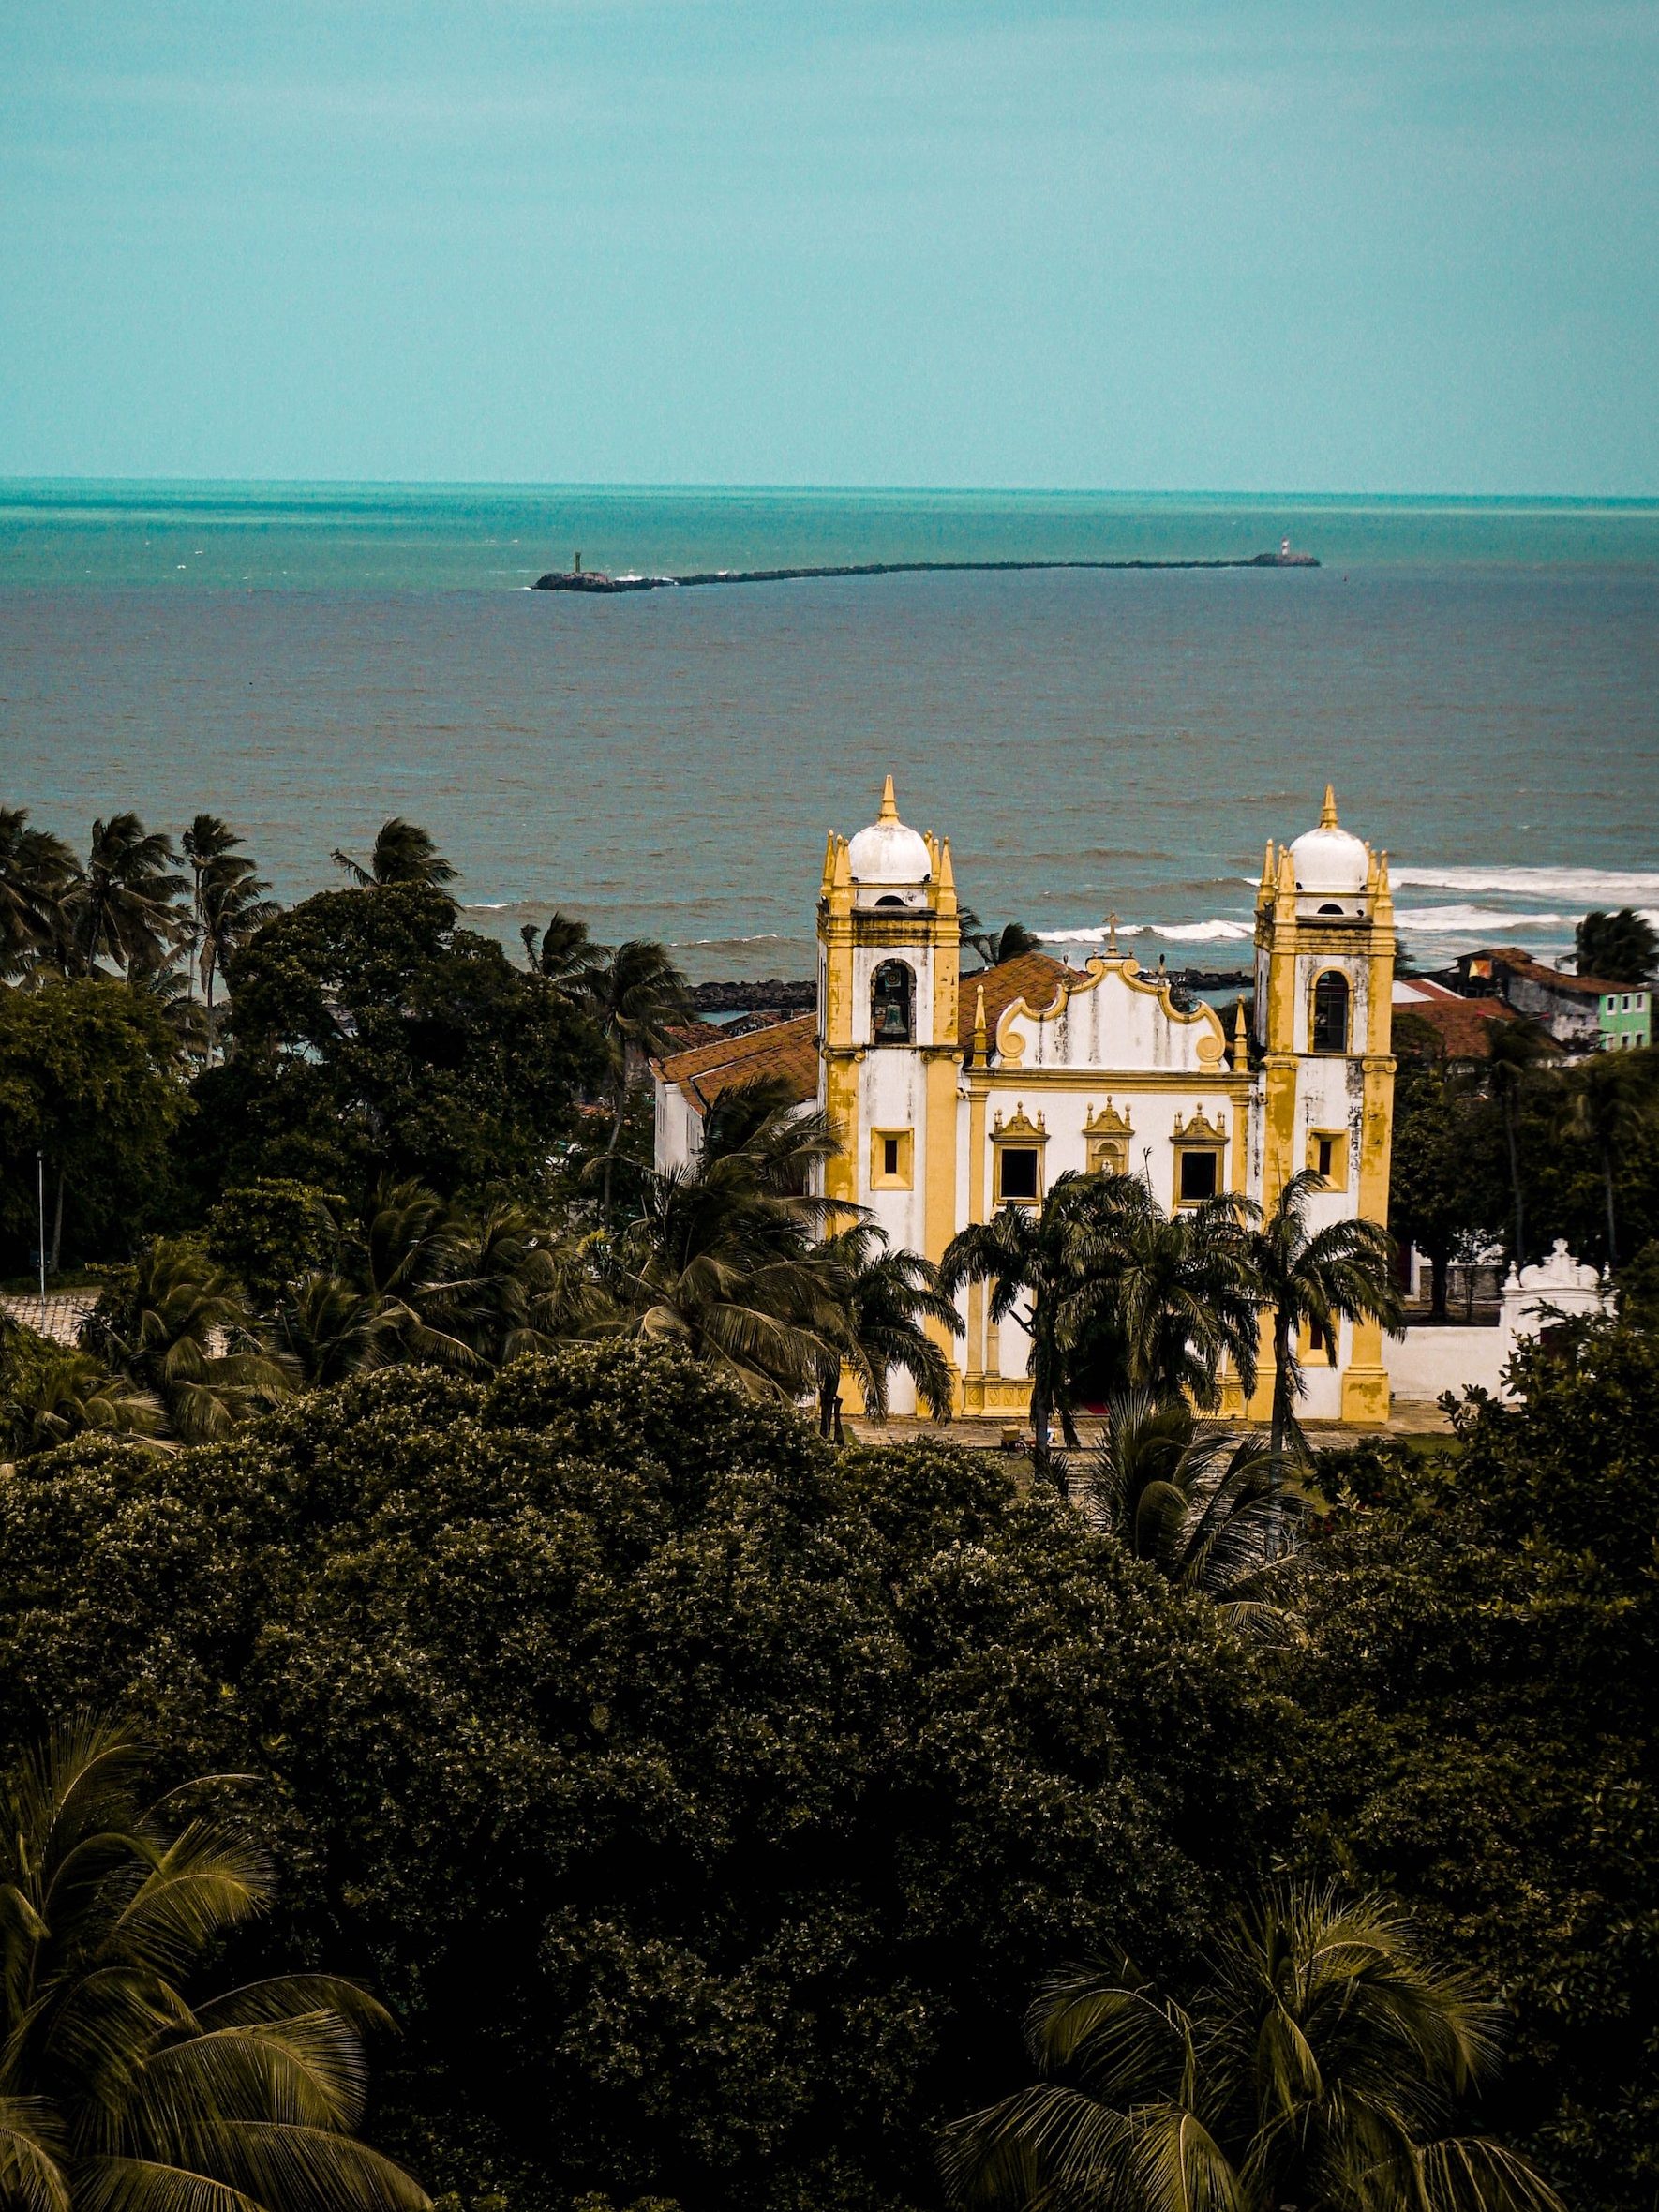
[
  {"x": 325, "y": 1329},
  {"x": 995, "y": 946},
  {"x": 1040, "y": 1261},
  {"x": 65, "y": 1393},
  {"x": 125, "y": 906},
  {"x": 564, "y": 951},
  {"x": 1318, "y": 2064},
  {"x": 1316, "y": 1278},
  {"x": 1621, "y": 947},
  {"x": 1513, "y": 1051},
  {"x": 1213, "y": 1512},
  {"x": 121, "y": 2090},
  {"x": 1175, "y": 1297},
  {"x": 403, "y": 853},
  {"x": 178, "y": 1326},
  {"x": 38, "y": 875},
  {"x": 878, "y": 1300},
  {"x": 1609, "y": 1103},
  {"x": 228, "y": 899},
  {"x": 634, "y": 995}
]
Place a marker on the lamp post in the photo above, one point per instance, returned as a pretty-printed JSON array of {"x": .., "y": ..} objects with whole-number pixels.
[{"x": 40, "y": 1200}]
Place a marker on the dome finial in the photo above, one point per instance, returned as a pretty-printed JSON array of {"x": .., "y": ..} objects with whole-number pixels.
[
  {"x": 1327, "y": 814},
  {"x": 890, "y": 806}
]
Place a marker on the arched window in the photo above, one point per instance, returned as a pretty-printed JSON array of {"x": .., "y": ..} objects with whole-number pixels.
[
  {"x": 892, "y": 1011},
  {"x": 1330, "y": 1012}
]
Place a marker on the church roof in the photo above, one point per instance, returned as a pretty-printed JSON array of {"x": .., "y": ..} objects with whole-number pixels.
[
  {"x": 1031, "y": 976},
  {"x": 787, "y": 1051}
]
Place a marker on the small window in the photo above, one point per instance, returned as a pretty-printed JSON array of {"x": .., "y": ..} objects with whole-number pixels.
[
  {"x": 1017, "y": 1170},
  {"x": 1324, "y": 1150},
  {"x": 1200, "y": 1175},
  {"x": 1626, "y": 1006},
  {"x": 1327, "y": 1155},
  {"x": 892, "y": 1159},
  {"x": 1330, "y": 909},
  {"x": 1330, "y": 1012},
  {"x": 1319, "y": 1342},
  {"x": 892, "y": 1019}
]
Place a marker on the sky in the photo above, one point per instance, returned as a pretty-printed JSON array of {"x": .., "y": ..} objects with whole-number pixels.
[{"x": 1237, "y": 245}]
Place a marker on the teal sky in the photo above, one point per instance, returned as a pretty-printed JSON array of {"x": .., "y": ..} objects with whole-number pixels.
[{"x": 1343, "y": 246}]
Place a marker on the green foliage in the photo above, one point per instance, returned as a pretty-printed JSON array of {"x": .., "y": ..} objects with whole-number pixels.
[
  {"x": 1444, "y": 1185},
  {"x": 705, "y": 1801},
  {"x": 268, "y": 1234},
  {"x": 1482, "y": 1692},
  {"x": 179, "y": 1328},
  {"x": 116, "y": 2087},
  {"x": 90, "y": 1077},
  {"x": 1620, "y": 948},
  {"x": 1316, "y": 2062},
  {"x": 370, "y": 1036}
]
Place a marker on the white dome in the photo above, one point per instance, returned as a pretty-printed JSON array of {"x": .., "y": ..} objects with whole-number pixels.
[
  {"x": 886, "y": 852},
  {"x": 1330, "y": 858}
]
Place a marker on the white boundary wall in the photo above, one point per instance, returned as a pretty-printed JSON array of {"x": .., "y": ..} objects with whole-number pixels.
[{"x": 1427, "y": 1361}]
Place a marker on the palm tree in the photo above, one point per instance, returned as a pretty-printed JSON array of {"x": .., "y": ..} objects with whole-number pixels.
[
  {"x": 1609, "y": 1103},
  {"x": 119, "y": 2088},
  {"x": 1316, "y": 1280},
  {"x": 879, "y": 1299},
  {"x": 325, "y": 1329},
  {"x": 1621, "y": 948},
  {"x": 38, "y": 875},
  {"x": 1039, "y": 1263},
  {"x": 403, "y": 853},
  {"x": 180, "y": 1327},
  {"x": 995, "y": 946},
  {"x": 66, "y": 1392},
  {"x": 228, "y": 899},
  {"x": 564, "y": 951},
  {"x": 1177, "y": 1296},
  {"x": 1213, "y": 1512},
  {"x": 635, "y": 997},
  {"x": 1316, "y": 2065},
  {"x": 1513, "y": 1051},
  {"x": 125, "y": 906}
]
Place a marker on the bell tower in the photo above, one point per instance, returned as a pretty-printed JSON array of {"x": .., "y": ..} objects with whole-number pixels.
[
  {"x": 1325, "y": 990},
  {"x": 890, "y": 962}
]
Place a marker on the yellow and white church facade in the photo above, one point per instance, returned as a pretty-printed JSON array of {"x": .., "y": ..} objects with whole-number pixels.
[{"x": 954, "y": 1094}]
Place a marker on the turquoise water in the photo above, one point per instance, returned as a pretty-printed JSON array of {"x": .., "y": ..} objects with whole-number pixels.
[{"x": 1479, "y": 679}]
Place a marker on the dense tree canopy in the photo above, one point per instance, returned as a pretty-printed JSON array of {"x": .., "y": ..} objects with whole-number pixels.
[
  {"x": 1484, "y": 1685},
  {"x": 706, "y": 1802},
  {"x": 89, "y": 1081},
  {"x": 369, "y": 1034}
]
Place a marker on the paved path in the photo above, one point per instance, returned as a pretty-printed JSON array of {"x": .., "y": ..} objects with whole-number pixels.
[{"x": 64, "y": 1312}]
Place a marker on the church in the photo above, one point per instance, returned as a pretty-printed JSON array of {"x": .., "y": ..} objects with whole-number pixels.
[{"x": 955, "y": 1095}]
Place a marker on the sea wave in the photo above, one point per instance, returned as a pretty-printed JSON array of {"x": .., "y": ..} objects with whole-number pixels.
[
  {"x": 1216, "y": 931},
  {"x": 1586, "y": 887}
]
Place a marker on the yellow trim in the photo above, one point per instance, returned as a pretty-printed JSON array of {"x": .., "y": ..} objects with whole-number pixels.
[
  {"x": 1212, "y": 1047},
  {"x": 1022, "y": 1134},
  {"x": 1325, "y": 1051},
  {"x": 901, "y": 1176},
  {"x": 1336, "y": 1171},
  {"x": 1325, "y": 1357}
]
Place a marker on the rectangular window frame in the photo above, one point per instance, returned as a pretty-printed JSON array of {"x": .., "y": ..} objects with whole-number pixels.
[
  {"x": 1334, "y": 1176},
  {"x": 1022, "y": 1145},
  {"x": 1210, "y": 1150},
  {"x": 903, "y": 1177}
]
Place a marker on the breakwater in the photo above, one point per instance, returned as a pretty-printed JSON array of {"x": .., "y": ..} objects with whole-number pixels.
[{"x": 580, "y": 579}]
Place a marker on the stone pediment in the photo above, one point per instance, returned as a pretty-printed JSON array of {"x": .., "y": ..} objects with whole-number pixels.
[
  {"x": 1106, "y": 1121},
  {"x": 1112, "y": 1017}
]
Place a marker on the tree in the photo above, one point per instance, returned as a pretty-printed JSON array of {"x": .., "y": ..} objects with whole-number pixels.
[
  {"x": 228, "y": 900},
  {"x": 564, "y": 951},
  {"x": 404, "y": 853},
  {"x": 267, "y": 1233},
  {"x": 48, "y": 1395},
  {"x": 38, "y": 872},
  {"x": 1315, "y": 2065},
  {"x": 704, "y": 1799},
  {"x": 1609, "y": 1101},
  {"x": 119, "y": 2089},
  {"x": 995, "y": 946},
  {"x": 1436, "y": 1193},
  {"x": 180, "y": 1328},
  {"x": 1479, "y": 1693},
  {"x": 1172, "y": 1298},
  {"x": 91, "y": 1090},
  {"x": 1515, "y": 1050},
  {"x": 1316, "y": 1280},
  {"x": 879, "y": 1299},
  {"x": 1039, "y": 1261},
  {"x": 126, "y": 907},
  {"x": 1619, "y": 948},
  {"x": 1212, "y": 1512},
  {"x": 368, "y": 1036},
  {"x": 634, "y": 997}
]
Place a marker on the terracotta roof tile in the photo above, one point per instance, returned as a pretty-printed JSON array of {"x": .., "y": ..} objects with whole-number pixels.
[
  {"x": 787, "y": 1050},
  {"x": 1031, "y": 976}
]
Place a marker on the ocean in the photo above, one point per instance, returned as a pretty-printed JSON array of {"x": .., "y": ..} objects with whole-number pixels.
[{"x": 1479, "y": 680}]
